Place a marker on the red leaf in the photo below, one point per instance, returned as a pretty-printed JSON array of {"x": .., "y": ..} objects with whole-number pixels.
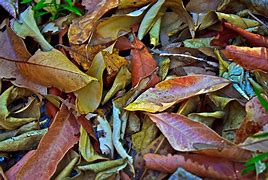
[
  {"x": 223, "y": 37},
  {"x": 62, "y": 136},
  {"x": 254, "y": 39},
  {"x": 142, "y": 64},
  {"x": 255, "y": 119},
  {"x": 11, "y": 173},
  {"x": 249, "y": 58},
  {"x": 218, "y": 168},
  {"x": 123, "y": 44},
  {"x": 184, "y": 134}
]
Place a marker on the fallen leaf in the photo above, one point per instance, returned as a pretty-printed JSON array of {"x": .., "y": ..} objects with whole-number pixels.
[
  {"x": 82, "y": 28},
  {"x": 207, "y": 167},
  {"x": 122, "y": 79},
  {"x": 203, "y": 6},
  {"x": 254, "y": 39},
  {"x": 125, "y": 4},
  {"x": 155, "y": 32},
  {"x": 62, "y": 135},
  {"x": 181, "y": 173},
  {"x": 54, "y": 69},
  {"x": 249, "y": 58},
  {"x": 149, "y": 19},
  {"x": 8, "y": 118},
  {"x": 259, "y": 6},
  {"x": 142, "y": 64},
  {"x": 255, "y": 119},
  {"x": 68, "y": 169},
  {"x": 26, "y": 26},
  {"x": 206, "y": 118},
  {"x": 169, "y": 92},
  {"x": 14, "y": 49},
  {"x": 11, "y": 173},
  {"x": 89, "y": 97}
]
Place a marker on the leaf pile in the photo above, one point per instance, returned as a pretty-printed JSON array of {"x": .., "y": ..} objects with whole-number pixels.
[{"x": 127, "y": 89}]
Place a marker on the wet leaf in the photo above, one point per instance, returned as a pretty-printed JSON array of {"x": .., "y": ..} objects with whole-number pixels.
[
  {"x": 89, "y": 97},
  {"x": 142, "y": 64},
  {"x": 169, "y": 92},
  {"x": 64, "y": 133},
  {"x": 209, "y": 167},
  {"x": 26, "y": 26},
  {"x": 149, "y": 19},
  {"x": 82, "y": 28},
  {"x": 249, "y": 58},
  {"x": 54, "y": 69}
]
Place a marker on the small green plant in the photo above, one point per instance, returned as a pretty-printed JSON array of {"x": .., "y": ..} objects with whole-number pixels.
[
  {"x": 257, "y": 162},
  {"x": 53, "y": 8}
]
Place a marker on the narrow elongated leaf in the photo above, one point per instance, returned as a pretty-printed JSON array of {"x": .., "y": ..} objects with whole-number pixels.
[
  {"x": 54, "y": 69},
  {"x": 149, "y": 19},
  {"x": 169, "y": 92},
  {"x": 209, "y": 167},
  {"x": 142, "y": 64},
  {"x": 62, "y": 135},
  {"x": 249, "y": 58}
]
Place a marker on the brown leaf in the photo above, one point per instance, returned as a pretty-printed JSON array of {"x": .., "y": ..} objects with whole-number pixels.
[
  {"x": 255, "y": 119},
  {"x": 249, "y": 58},
  {"x": 167, "y": 93},
  {"x": 54, "y": 69},
  {"x": 125, "y": 4},
  {"x": 203, "y": 6},
  {"x": 81, "y": 28},
  {"x": 184, "y": 134},
  {"x": 11, "y": 173},
  {"x": 209, "y": 167},
  {"x": 142, "y": 64},
  {"x": 62, "y": 135},
  {"x": 254, "y": 39},
  {"x": 13, "y": 48}
]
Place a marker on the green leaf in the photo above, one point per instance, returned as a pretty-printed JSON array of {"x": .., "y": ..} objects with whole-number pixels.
[
  {"x": 149, "y": 19},
  {"x": 155, "y": 32},
  {"x": 68, "y": 169},
  {"x": 259, "y": 157},
  {"x": 206, "y": 117},
  {"x": 26, "y": 26},
  {"x": 72, "y": 9},
  {"x": 263, "y": 102},
  {"x": 197, "y": 43},
  {"x": 25, "y": 1},
  {"x": 85, "y": 147},
  {"x": 123, "y": 78},
  {"x": 40, "y": 5},
  {"x": 262, "y": 135},
  {"x": 25, "y": 141}
]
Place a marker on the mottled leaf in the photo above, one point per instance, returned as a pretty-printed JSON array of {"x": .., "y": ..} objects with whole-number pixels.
[{"x": 169, "y": 92}]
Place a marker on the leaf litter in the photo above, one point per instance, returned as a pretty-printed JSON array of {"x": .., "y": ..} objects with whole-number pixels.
[{"x": 150, "y": 89}]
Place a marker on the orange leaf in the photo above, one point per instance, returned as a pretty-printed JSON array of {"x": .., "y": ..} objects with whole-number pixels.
[
  {"x": 62, "y": 135},
  {"x": 142, "y": 64},
  {"x": 216, "y": 168},
  {"x": 184, "y": 134},
  {"x": 254, "y": 39},
  {"x": 249, "y": 58}
]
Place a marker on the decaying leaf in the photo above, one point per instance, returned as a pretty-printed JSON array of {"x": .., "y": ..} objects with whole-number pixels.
[
  {"x": 63, "y": 132},
  {"x": 169, "y": 92},
  {"x": 53, "y": 69}
]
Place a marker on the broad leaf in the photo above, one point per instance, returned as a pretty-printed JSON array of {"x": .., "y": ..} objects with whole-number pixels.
[
  {"x": 54, "y": 69},
  {"x": 62, "y": 135},
  {"x": 169, "y": 92},
  {"x": 10, "y": 6}
]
